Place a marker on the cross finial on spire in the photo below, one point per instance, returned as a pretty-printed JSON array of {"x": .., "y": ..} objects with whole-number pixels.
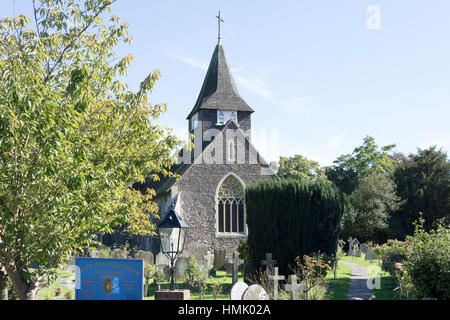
[{"x": 218, "y": 22}]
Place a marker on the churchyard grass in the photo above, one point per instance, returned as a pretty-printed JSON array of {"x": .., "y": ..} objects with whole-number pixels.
[
  {"x": 386, "y": 284},
  {"x": 50, "y": 292},
  {"x": 65, "y": 273},
  {"x": 338, "y": 288},
  {"x": 207, "y": 295}
]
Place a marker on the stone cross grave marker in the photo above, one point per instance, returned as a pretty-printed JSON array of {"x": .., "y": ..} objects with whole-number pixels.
[
  {"x": 235, "y": 262},
  {"x": 352, "y": 242},
  {"x": 269, "y": 262},
  {"x": 238, "y": 290},
  {"x": 275, "y": 277},
  {"x": 294, "y": 287}
]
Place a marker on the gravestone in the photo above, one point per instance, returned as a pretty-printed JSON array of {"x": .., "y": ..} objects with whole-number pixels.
[
  {"x": 371, "y": 255},
  {"x": 294, "y": 287},
  {"x": 199, "y": 251},
  {"x": 269, "y": 262},
  {"x": 255, "y": 292},
  {"x": 219, "y": 258},
  {"x": 161, "y": 259},
  {"x": 238, "y": 290},
  {"x": 180, "y": 266},
  {"x": 352, "y": 246},
  {"x": 275, "y": 278},
  {"x": 235, "y": 263},
  {"x": 229, "y": 269},
  {"x": 95, "y": 254},
  {"x": 208, "y": 262},
  {"x": 118, "y": 254},
  {"x": 364, "y": 248},
  {"x": 147, "y": 256}
]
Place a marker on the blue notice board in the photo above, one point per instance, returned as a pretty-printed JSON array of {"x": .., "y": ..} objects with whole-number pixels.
[{"x": 109, "y": 279}]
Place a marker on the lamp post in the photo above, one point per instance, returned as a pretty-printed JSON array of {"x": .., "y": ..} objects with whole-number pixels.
[{"x": 172, "y": 233}]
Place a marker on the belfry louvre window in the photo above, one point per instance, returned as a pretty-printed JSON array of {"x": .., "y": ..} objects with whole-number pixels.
[{"x": 230, "y": 206}]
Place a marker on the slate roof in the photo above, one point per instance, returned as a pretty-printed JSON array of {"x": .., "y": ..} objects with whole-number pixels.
[
  {"x": 164, "y": 183},
  {"x": 219, "y": 90}
]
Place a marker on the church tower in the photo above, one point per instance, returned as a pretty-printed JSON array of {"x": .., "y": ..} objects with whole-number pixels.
[
  {"x": 209, "y": 190},
  {"x": 219, "y": 99}
]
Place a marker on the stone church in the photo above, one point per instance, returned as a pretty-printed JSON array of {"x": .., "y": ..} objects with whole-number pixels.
[{"x": 210, "y": 191}]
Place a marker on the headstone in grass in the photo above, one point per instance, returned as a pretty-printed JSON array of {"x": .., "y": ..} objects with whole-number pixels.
[
  {"x": 199, "y": 251},
  {"x": 294, "y": 287},
  {"x": 180, "y": 266},
  {"x": 235, "y": 263},
  {"x": 352, "y": 243},
  {"x": 364, "y": 248},
  {"x": 161, "y": 259},
  {"x": 147, "y": 256},
  {"x": 219, "y": 258},
  {"x": 371, "y": 255},
  {"x": 269, "y": 262},
  {"x": 207, "y": 262},
  {"x": 95, "y": 254},
  {"x": 255, "y": 292},
  {"x": 238, "y": 290},
  {"x": 118, "y": 254},
  {"x": 275, "y": 278}
]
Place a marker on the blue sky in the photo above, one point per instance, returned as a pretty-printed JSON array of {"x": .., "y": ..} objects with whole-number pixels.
[{"x": 312, "y": 70}]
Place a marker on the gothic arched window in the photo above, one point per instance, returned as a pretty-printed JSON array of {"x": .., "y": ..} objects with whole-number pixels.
[{"x": 230, "y": 206}]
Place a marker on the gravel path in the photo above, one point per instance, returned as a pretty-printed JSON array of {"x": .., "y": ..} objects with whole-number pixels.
[{"x": 358, "y": 282}]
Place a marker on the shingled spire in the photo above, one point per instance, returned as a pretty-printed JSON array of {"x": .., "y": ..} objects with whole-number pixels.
[{"x": 219, "y": 90}]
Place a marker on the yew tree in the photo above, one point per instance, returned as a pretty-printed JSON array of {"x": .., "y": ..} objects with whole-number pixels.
[{"x": 73, "y": 137}]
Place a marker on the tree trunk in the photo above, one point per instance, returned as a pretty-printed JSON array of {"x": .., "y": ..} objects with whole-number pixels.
[
  {"x": 3, "y": 286},
  {"x": 25, "y": 290}
]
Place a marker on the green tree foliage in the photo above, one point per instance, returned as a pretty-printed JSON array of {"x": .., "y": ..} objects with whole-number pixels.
[
  {"x": 364, "y": 160},
  {"x": 300, "y": 167},
  {"x": 291, "y": 218},
  {"x": 369, "y": 207},
  {"x": 423, "y": 180},
  {"x": 73, "y": 137}
]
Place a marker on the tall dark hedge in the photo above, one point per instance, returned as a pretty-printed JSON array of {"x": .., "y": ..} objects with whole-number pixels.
[{"x": 290, "y": 218}]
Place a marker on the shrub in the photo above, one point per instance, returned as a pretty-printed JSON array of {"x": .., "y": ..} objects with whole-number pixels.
[
  {"x": 428, "y": 266},
  {"x": 153, "y": 273},
  {"x": 291, "y": 218},
  {"x": 392, "y": 252},
  {"x": 192, "y": 272},
  {"x": 244, "y": 251},
  {"x": 216, "y": 286},
  {"x": 312, "y": 270}
]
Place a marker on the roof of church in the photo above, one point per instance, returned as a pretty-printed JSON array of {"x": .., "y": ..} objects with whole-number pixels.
[{"x": 219, "y": 90}]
